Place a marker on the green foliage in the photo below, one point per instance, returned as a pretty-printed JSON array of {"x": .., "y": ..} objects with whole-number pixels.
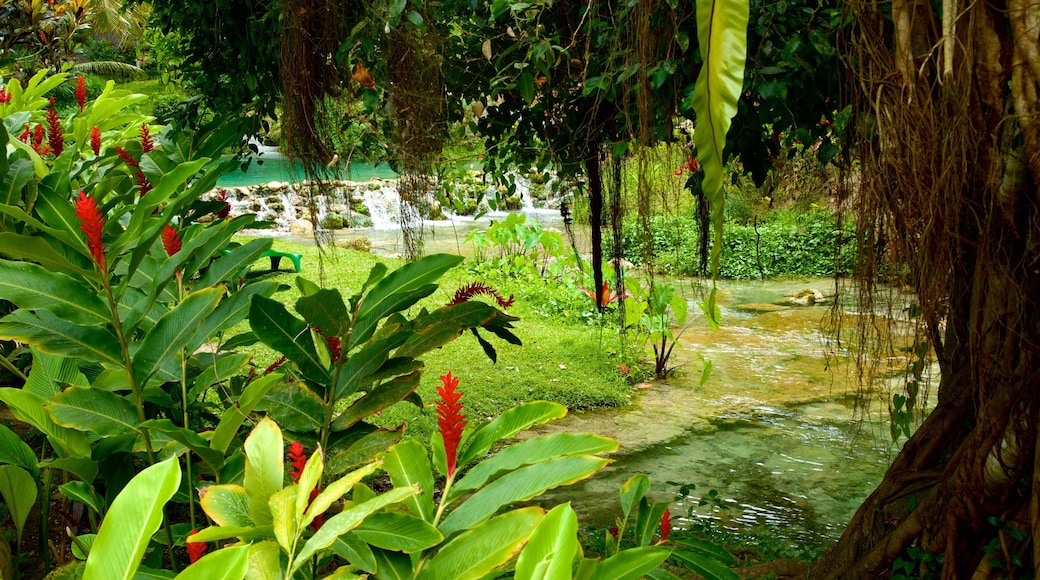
[
  {"x": 802, "y": 244},
  {"x": 653, "y": 310}
]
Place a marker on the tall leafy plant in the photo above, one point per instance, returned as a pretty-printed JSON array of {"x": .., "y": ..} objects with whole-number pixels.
[
  {"x": 348, "y": 359},
  {"x": 116, "y": 286}
]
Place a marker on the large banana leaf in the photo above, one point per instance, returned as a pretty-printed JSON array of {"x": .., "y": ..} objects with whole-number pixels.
[
  {"x": 485, "y": 548},
  {"x": 128, "y": 527},
  {"x": 722, "y": 34}
]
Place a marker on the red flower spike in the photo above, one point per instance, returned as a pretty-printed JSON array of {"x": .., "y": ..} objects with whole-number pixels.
[
  {"x": 298, "y": 460},
  {"x": 142, "y": 183},
  {"x": 146, "y": 139},
  {"x": 81, "y": 92},
  {"x": 450, "y": 419},
  {"x": 92, "y": 223},
  {"x": 95, "y": 140},
  {"x": 127, "y": 157},
  {"x": 171, "y": 241},
  {"x": 606, "y": 294},
  {"x": 666, "y": 524},
  {"x": 470, "y": 290},
  {"x": 55, "y": 134},
  {"x": 195, "y": 549},
  {"x": 38, "y": 136},
  {"x": 278, "y": 362},
  {"x": 26, "y": 134},
  {"x": 613, "y": 532},
  {"x": 320, "y": 518},
  {"x": 5, "y": 97}
]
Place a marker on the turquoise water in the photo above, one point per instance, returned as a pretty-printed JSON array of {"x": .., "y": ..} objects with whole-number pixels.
[{"x": 275, "y": 167}]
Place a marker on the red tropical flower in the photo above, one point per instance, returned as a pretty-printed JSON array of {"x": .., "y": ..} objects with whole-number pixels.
[
  {"x": 606, "y": 294},
  {"x": 274, "y": 366},
  {"x": 450, "y": 419},
  {"x": 195, "y": 549},
  {"x": 470, "y": 290},
  {"x": 55, "y": 134},
  {"x": 92, "y": 223},
  {"x": 81, "y": 92},
  {"x": 691, "y": 165},
  {"x": 129, "y": 159},
  {"x": 37, "y": 141},
  {"x": 5, "y": 97},
  {"x": 26, "y": 135},
  {"x": 146, "y": 139},
  {"x": 222, "y": 195},
  {"x": 666, "y": 524},
  {"x": 298, "y": 460},
  {"x": 170, "y": 240},
  {"x": 95, "y": 140}
]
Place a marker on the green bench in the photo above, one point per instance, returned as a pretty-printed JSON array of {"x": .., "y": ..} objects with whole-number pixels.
[{"x": 276, "y": 258}]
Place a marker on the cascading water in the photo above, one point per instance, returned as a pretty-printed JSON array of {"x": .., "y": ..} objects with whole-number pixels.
[{"x": 384, "y": 206}]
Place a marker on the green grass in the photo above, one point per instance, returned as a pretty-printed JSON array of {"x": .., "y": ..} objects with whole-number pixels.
[{"x": 560, "y": 362}]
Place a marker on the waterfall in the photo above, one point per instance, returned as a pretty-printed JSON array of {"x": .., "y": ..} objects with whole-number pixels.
[{"x": 384, "y": 206}]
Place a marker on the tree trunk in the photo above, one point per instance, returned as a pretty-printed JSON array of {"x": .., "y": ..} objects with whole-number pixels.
[
  {"x": 950, "y": 169},
  {"x": 592, "y": 167}
]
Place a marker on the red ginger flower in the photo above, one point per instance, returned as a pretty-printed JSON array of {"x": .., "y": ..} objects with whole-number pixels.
[
  {"x": 5, "y": 97},
  {"x": 195, "y": 549},
  {"x": 450, "y": 419},
  {"x": 37, "y": 142},
  {"x": 55, "y": 135},
  {"x": 81, "y": 92},
  {"x": 26, "y": 134},
  {"x": 146, "y": 139},
  {"x": 95, "y": 140},
  {"x": 92, "y": 223},
  {"x": 170, "y": 240},
  {"x": 470, "y": 290},
  {"x": 127, "y": 157},
  {"x": 606, "y": 294},
  {"x": 298, "y": 460},
  {"x": 691, "y": 165},
  {"x": 666, "y": 524},
  {"x": 274, "y": 366},
  {"x": 222, "y": 195}
]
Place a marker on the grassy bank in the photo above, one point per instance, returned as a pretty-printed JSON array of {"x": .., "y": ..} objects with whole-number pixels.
[{"x": 565, "y": 363}]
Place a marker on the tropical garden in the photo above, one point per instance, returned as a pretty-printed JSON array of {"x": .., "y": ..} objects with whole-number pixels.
[{"x": 173, "y": 410}]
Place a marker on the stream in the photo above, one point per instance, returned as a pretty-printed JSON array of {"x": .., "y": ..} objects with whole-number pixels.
[{"x": 773, "y": 431}]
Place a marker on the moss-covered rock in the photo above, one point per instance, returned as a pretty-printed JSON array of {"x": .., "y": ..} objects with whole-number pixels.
[{"x": 332, "y": 222}]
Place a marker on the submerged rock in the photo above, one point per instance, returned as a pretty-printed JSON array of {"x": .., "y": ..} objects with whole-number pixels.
[{"x": 806, "y": 297}]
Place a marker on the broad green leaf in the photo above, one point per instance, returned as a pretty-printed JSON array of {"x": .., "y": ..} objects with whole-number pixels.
[
  {"x": 525, "y": 86},
  {"x": 285, "y": 523},
  {"x": 722, "y": 37},
  {"x": 326, "y": 311},
  {"x": 32, "y": 287},
  {"x": 407, "y": 464},
  {"x": 446, "y": 324},
  {"x": 214, "y": 460},
  {"x": 648, "y": 521},
  {"x": 244, "y": 533},
  {"x": 366, "y": 361},
  {"x": 233, "y": 417},
  {"x": 134, "y": 517},
  {"x": 229, "y": 563},
  {"x": 385, "y": 297},
  {"x": 631, "y": 564},
  {"x": 22, "y": 247},
  {"x": 365, "y": 327},
  {"x": 379, "y": 398},
  {"x": 171, "y": 334},
  {"x": 264, "y": 468},
  {"x": 82, "y": 467},
  {"x": 85, "y": 494},
  {"x": 285, "y": 333},
  {"x": 15, "y": 177},
  {"x": 398, "y": 531},
  {"x": 345, "y": 521},
  {"x": 633, "y": 490},
  {"x": 234, "y": 262},
  {"x": 486, "y": 548},
  {"x": 364, "y": 450},
  {"x": 18, "y": 489},
  {"x": 226, "y": 505},
  {"x": 54, "y": 335},
  {"x": 520, "y": 485},
  {"x": 16, "y": 452},
  {"x": 706, "y": 548},
  {"x": 51, "y": 372},
  {"x": 530, "y": 452},
  {"x": 308, "y": 480},
  {"x": 294, "y": 406},
  {"x": 661, "y": 574},
  {"x": 708, "y": 567},
  {"x": 334, "y": 491},
  {"x": 223, "y": 368},
  {"x": 508, "y": 424},
  {"x": 29, "y": 407},
  {"x": 393, "y": 565},
  {"x": 550, "y": 553},
  {"x": 89, "y": 409},
  {"x": 264, "y": 561},
  {"x": 352, "y": 549}
]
